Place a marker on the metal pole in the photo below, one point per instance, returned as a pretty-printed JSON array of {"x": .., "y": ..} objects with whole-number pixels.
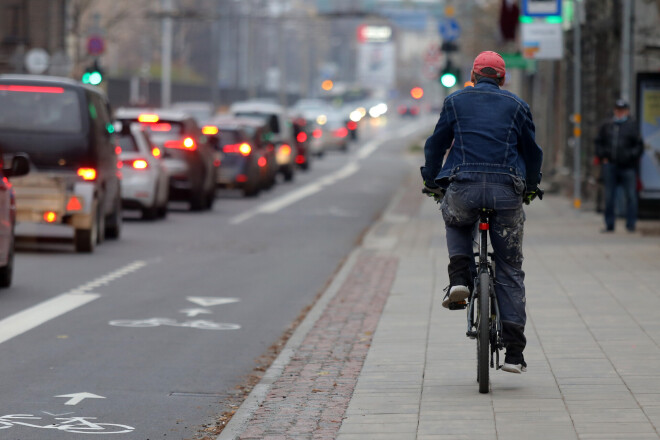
[
  {"x": 166, "y": 58},
  {"x": 626, "y": 58},
  {"x": 577, "y": 104},
  {"x": 215, "y": 56}
]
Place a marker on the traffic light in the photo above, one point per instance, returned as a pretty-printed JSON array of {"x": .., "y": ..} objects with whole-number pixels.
[
  {"x": 93, "y": 74},
  {"x": 449, "y": 75}
]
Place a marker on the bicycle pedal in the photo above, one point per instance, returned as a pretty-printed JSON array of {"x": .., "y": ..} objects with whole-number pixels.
[{"x": 457, "y": 305}]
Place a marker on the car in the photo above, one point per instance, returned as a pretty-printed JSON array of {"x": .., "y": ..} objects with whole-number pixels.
[
  {"x": 408, "y": 109},
  {"x": 335, "y": 133},
  {"x": 242, "y": 161},
  {"x": 145, "y": 180},
  {"x": 189, "y": 158},
  {"x": 282, "y": 135},
  {"x": 18, "y": 166},
  {"x": 303, "y": 142},
  {"x": 65, "y": 128}
]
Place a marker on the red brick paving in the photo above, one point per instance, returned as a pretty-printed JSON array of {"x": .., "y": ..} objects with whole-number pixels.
[{"x": 310, "y": 398}]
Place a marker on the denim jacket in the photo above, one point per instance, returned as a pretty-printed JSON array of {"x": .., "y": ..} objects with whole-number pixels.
[{"x": 486, "y": 130}]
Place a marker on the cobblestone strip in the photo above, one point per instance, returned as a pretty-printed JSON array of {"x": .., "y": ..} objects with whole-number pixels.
[{"x": 310, "y": 398}]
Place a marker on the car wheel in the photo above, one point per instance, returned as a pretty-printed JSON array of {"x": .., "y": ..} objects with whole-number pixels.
[
  {"x": 210, "y": 198},
  {"x": 288, "y": 174},
  {"x": 197, "y": 200},
  {"x": 85, "y": 239},
  {"x": 7, "y": 271},
  {"x": 100, "y": 227},
  {"x": 113, "y": 223}
]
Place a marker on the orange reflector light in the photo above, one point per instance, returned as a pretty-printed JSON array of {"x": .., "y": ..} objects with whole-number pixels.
[
  {"x": 245, "y": 149},
  {"x": 262, "y": 162},
  {"x": 302, "y": 137},
  {"x": 300, "y": 159},
  {"x": 210, "y": 130},
  {"x": 417, "y": 92},
  {"x": 285, "y": 149},
  {"x": 317, "y": 133},
  {"x": 241, "y": 178},
  {"x": 147, "y": 117},
  {"x": 74, "y": 204},
  {"x": 87, "y": 173},
  {"x": 156, "y": 152},
  {"x": 140, "y": 164},
  {"x": 50, "y": 216}
]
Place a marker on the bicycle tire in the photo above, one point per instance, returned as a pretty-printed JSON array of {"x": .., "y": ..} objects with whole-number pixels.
[{"x": 483, "y": 332}]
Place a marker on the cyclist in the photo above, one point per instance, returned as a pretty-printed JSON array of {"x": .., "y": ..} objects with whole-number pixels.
[{"x": 493, "y": 163}]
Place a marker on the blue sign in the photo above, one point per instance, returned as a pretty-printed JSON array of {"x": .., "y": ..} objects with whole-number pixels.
[
  {"x": 541, "y": 8},
  {"x": 449, "y": 29}
]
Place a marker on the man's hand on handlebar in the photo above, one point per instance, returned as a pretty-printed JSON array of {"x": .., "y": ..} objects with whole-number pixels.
[
  {"x": 532, "y": 194},
  {"x": 436, "y": 192}
]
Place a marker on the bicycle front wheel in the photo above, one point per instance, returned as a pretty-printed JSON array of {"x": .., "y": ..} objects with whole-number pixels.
[{"x": 483, "y": 331}]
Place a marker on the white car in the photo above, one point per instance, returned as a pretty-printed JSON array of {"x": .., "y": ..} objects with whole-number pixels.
[{"x": 145, "y": 180}]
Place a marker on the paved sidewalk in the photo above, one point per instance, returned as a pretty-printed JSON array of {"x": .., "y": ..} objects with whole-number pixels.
[{"x": 379, "y": 358}]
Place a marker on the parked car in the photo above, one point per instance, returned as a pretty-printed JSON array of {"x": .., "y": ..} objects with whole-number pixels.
[
  {"x": 241, "y": 163},
  {"x": 189, "y": 159},
  {"x": 145, "y": 181},
  {"x": 66, "y": 129},
  {"x": 18, "y": 166},
  {"x": 282, "y": 136}
]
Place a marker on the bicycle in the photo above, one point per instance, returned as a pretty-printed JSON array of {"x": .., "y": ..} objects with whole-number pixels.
[{"x": 483, "y": 313}]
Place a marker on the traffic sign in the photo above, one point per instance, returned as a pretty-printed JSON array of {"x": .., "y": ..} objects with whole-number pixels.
[
  {"x": 541, "y": 8},
  {"x": 449, "y": 29},
  {"x": 37, "y": 61},
  {"x": 95, "y": 45}
]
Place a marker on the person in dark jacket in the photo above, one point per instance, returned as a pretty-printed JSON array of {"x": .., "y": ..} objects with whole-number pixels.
[
  {"x": 618, "y": 148},
  {"x": 494, "y": 163}
]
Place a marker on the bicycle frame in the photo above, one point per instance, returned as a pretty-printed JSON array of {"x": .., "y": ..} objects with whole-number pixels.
[{"x": 485, "y": 265}]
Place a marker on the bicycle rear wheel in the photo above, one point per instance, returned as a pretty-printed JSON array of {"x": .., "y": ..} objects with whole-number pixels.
[{"x": 483, "y": 331}]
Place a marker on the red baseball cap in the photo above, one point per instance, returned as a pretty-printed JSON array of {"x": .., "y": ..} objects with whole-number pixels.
[{"x": 489, "y": 64}]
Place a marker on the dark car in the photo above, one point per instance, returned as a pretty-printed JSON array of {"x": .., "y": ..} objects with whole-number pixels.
[
  {"x": 18, "y": 166},
  {"x": 303, "y": 139},
  {"x": 66, "y": 129},
  {"x": 187, "y": 155}
]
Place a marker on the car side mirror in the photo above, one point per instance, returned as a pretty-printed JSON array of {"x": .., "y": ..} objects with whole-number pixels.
[{"x": 20, "y": 166}]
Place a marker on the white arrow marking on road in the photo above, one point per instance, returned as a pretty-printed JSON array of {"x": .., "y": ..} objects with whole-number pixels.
[
  {"x": 76, "y": 398},
  {"x": 208, "y": 301},
  {"x": 191, "y": 313}
]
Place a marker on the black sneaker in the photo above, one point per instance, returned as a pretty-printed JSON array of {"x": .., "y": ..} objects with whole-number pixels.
[{"x": 514, "y": 364}]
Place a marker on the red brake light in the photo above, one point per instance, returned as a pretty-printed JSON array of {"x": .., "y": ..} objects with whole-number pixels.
[
  {"x": 341, "y": 132},
  {"x": 32, "y": 89},
  {"x": 140, "y": 164},
  {"x": 317, "y": 133},
  {"x": 148, "y": 117},
  {"x": 87, "y": 173},
  {"x": 302, "y": 137},
  {"x": 300, "y": 159},
  {"x": 245, "y": 149},
  {"x": 241, "y": 178},
  {"x": 163, "y": 126},
  {"x": 285, "y": 149},
  {"x": 210, "y": 130},
  {"x": 187, "y": 144},
  {"x": 262, "y": 162},
  {"x": 352, "y": 125},
  {"x": 117, "y": 149}
]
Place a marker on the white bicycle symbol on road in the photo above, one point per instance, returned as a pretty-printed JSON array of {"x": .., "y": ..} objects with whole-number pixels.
[
  {"x": 77, "y": 425},
  {"x": 155, "y": 322}
]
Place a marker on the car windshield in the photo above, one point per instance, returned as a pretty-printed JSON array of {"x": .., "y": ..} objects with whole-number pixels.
[
  {"x": 228, "y": 137},
  {"x": 127, "y": 143},
  {"x": 39, "y": 109}
]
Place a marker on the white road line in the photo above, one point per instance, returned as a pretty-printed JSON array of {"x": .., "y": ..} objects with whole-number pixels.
[
  {"x": 349, "y": 169},
  {"x": 34, "y": 316}
]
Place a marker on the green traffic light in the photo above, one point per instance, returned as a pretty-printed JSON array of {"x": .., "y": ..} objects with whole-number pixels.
[
  {"x": 448, "y": 80},
  {"x": 95, "y": 78},
  {"x": 85, "y": 78}
]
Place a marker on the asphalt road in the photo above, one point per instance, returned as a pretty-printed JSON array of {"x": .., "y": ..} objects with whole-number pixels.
[{"x": 156, "y": 329}]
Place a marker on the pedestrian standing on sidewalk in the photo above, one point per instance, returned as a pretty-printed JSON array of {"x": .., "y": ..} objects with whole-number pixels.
[
  {"x": 494, "y": 163},
  {"x": 618, "y": 149}
]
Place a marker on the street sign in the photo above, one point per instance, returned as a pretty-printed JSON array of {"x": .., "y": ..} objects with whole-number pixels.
[
  {"x": 541, "y": 8},
  {"x": 517, "y": 61},
  {"x": 543, "y": 41},
  {"x": 36, "y": 61},
  {"x": 449, "y": 29},
  {"x": 95, "y": 45}
]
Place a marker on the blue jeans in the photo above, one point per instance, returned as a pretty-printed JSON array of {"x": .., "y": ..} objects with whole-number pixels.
[
  {"x": 613, "y": 177},
  {"x": 466, "y": 196}
]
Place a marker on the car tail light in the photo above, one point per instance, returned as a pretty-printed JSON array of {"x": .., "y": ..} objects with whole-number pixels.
[
  {"x": 117, "y": 149},
  {"x": 87, "y": 173},
  {"x": 148, "y": 117},
  {"x": 32, "y": 89},
  {"x": 262, "y": 162},
  {"x": 402, "y": 109},
  {"x": 156, "y": 152},
  {"x": 302, "y": 137},
  {"x": 187, "y": 144},
  {"x": 352, "y": 125},
  {"x": 140, "y": 164},
  {"x": 210, "y": 130},
  {"x": 300, "y": 159},
  {"x": 241, "y": 178},
  {"x": 217, "y": 163},
  {"x": 163, "y": 126},
  {"x": 285, "y": 149},
  {"x": 245, "y": 149},
  {"x": 50, "y": 217},
  {"x": 340, "y": 132},
  {"x": 414, "y": 110},
  {"x": 317, "y": 133},
  {"x": 74, "y": 204}
]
